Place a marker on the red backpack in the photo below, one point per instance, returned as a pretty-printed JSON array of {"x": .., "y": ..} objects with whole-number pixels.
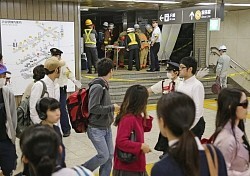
[{"x": 77, "y": 104}]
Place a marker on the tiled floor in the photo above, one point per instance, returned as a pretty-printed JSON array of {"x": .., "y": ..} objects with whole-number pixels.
[{"x": 79, "y": 148}]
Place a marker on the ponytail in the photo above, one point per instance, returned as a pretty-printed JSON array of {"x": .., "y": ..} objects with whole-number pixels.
[
  {"x": 186, "y": 154},
  {"x": 45, "y": 166}
]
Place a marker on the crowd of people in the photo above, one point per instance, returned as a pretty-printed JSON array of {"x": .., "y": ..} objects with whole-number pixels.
[
  {"x": 179, "y": 115},
  {"x": 136, "y": 46}
]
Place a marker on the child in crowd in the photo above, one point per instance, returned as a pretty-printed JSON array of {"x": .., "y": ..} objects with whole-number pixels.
[
  {"x": 132, "y": 117},
  {"x": 230, "y": 136},
  {"x": 41, "y": 148},
  {"x": 48, "y": 110},
  {"x": 185, "y": 156}
]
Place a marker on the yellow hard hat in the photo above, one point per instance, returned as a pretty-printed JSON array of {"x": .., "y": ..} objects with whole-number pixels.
[{"x": 88, "y": 22}]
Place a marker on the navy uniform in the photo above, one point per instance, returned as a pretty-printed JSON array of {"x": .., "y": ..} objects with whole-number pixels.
[{"x": 65, "y": 74}]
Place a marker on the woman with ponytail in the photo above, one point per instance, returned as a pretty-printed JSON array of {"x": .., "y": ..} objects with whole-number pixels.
[
  {"x": 231, "y": 113},
  {"x": 133, "y": 117},
  {"x": 186, "y": 155},
  {"x": 40, "y": 146}
]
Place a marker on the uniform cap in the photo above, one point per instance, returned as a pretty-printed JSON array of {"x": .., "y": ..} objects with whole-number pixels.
[
  {"x": 3, "y": 69},
  {"x": 53, "y": 63},
  {"x": 88, "y": 22},
  {"x": 222, "y": 47},
  {"x": 148, "y": 26},
  {"x": 105, "y": 24},
  {"x": 55, "y": 51},
  {"x": 173, "y": 66},
  {"x": 137, "y": 26}
]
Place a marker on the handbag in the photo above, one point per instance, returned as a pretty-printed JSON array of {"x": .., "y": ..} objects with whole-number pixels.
[
  {"x": 216, "y": 87},
  {"x": 212, "y": 163},
  {"x": 125, "y": 156}
]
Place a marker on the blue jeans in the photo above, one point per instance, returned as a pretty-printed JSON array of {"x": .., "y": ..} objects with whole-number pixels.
[{"x": 103, "y": 143}]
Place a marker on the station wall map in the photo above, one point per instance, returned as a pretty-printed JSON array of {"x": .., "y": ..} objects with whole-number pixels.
[{"x": 26, "y": 44}]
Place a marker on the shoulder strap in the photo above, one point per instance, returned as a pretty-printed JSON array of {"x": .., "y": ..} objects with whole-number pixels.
[
  {"x": 44, "y": 89},
  {"x": 212, "y": 163}
]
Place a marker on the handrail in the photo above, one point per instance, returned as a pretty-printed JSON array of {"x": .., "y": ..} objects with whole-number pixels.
[{"x": 233, "y": 61}]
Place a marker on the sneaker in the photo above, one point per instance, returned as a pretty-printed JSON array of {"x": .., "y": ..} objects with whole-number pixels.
[{"x": 66, "y": 134}]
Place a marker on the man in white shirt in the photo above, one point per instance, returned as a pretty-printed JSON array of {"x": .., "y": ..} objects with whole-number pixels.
[
  {"x": 155, "y": 46},
  {"x": 195, "y": 89},
  {"x": 223, "y": 65},
  {"x": 52, "y": 68},
  {"x": 65, "y": 74}
]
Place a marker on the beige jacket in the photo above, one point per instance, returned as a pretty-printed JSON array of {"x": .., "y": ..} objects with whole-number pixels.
[
  {"x": 11, "y": 114},
  {"x": 235, "y": 154}
]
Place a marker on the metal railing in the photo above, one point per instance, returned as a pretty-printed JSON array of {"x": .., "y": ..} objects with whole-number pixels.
[{"x": 246, "y": 72}]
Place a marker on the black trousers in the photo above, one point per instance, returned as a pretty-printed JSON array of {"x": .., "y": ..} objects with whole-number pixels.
[
  {"x": 199, "y": 128},
  {"x": 92, "y": 57},
  {"x": 64, "y": 119},
  {"x": 154, "y": 57},
  {"x": 134, "y": 54}
]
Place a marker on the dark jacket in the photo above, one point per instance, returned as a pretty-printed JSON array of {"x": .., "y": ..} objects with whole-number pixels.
[
  {"x": 101, "y": 111},
  {"x": 168, "y": 166}
]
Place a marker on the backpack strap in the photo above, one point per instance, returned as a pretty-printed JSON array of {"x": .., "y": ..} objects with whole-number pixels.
[
  {"x": 212, "y": 162},
  {"x": 44, "y": 89},
  {"x": 79, "y": 173}
]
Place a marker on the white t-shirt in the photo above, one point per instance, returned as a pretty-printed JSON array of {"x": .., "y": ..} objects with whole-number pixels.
[
  {"x": 156, "y": 32},
  {"x": 75, "y": 171},
  {"x": 167, "y": 86},
  {"x": 195, "y": 89}
]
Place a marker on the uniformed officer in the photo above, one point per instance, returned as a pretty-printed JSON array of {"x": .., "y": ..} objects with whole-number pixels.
[
  {"x": 90, "y": 37},
  {"x": 65, "y": 74},
  {"x": 132, "y": 45},
  {"x": 223, "y": 65}
]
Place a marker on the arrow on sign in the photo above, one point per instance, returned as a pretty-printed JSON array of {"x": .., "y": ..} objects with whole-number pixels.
[
  {"x": 161, "y": 18},
  {"x": 191, "y": 15}
]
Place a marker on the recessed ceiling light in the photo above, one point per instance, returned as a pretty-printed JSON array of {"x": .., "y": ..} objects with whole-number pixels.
[
  {"x": 206, "y": 3},
  {"x": 237, "y": 5}
]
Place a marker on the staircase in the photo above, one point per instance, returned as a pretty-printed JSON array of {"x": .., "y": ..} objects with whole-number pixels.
[{"x": 123, "y": 79}]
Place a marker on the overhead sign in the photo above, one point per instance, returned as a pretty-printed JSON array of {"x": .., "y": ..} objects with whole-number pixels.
[
  {"x": 188, "y": 15},
  {"x": 171, "y": 17}
]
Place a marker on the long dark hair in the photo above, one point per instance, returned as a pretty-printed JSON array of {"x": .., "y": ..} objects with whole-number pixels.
[
  {"x": 134, "y": 102},
  {"x": 40, "y": 145},
  {"x": 228, "y": 100},
  {"x": 178, "y": 113}
]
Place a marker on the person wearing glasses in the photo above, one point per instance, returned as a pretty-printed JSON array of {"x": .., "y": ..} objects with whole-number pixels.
[
  {"x": 231, "y": 113},
  {"x": 192, "y": 87}
]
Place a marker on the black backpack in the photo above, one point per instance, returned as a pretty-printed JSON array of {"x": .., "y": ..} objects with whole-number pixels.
[{"x": 23, "y": 113}]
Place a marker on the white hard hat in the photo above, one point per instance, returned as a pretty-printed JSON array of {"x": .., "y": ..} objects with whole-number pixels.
[
  {"x": 111, "y": 25},
  {"x": 222, "y": 47},
  {"x": 130, "y": 30},
  {"x": 136, "y": 26},
  {"x": 105, "y": 24},
  {"x": 148, "y": 26}
]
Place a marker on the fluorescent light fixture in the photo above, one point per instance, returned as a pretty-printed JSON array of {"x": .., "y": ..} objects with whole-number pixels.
[
  {"x": 89, "y": 7},
  {"x": 84, "y": 9},
  {"x": 206, "y": 3},
  {"x": 237, "y": 5},
  {"x": 157, "y": 2}
]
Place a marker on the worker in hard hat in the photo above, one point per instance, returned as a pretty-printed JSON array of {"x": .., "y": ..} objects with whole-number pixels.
[
  {"x": 144, "y": 46},
  {"x": 223, "y": 65},
  {"x": 100, "y": 45},
  {"x": 132, "y": 45},
  {"x": 121, "y": 52},
  {"x": 90, "y": 37},
  {"x": 108, "y": 39}
]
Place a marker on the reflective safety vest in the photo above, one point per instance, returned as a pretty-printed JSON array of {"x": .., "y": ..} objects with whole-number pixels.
[
  {"x": 143, "y": 40},
  {"x": 133, "y": 39},
  {"x": 87, "y": 39}
]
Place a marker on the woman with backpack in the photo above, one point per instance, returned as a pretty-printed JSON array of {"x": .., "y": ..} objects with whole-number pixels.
[
  {"x": 185, "y": 156},
  {"x": 132, "y": 120},
  {"x": 41, "y": 148}
]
